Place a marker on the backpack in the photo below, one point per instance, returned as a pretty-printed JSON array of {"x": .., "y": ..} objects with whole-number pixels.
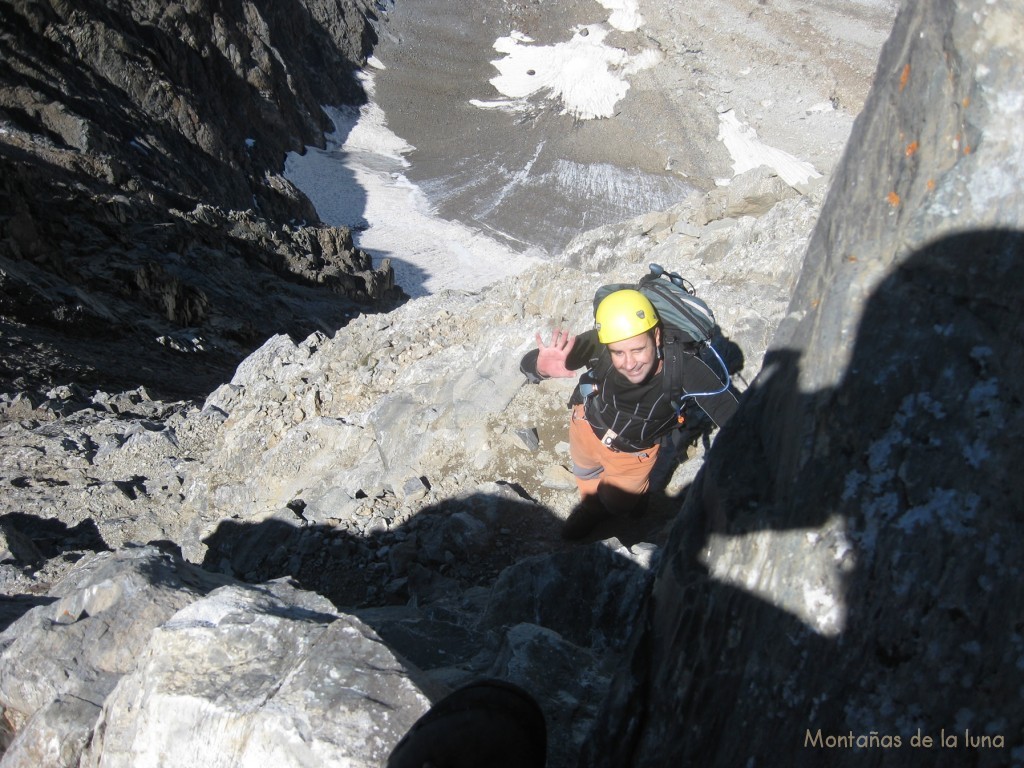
[
  {"x": 688, "y": 330},
  {"x": 676, "y": 302}
]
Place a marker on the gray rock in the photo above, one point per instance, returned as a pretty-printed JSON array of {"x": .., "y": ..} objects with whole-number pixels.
[
  {"x": 755, "y": 192},
  {"x": 58, "y": 663},
  {"x": 529, "y": 438},
  {"x": 17, "y": 547},
  {"x": 855, "y": 569},
  {"x": 589, "y": 595},
  {"x": 252, "y": 671},
  {"x": 56, "y": 734},
  {"x": 543, "y": 662},
  {"x": 257, "y": 675},
  {"x": 295, "y": 469},
  {"x": 414, "y": 489},
  {"x": 558, "y": 477}
]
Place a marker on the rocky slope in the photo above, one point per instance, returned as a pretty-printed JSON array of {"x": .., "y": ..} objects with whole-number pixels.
[
  {"x": 399, "y": 468},
  {"x": 163, "y": 558},
  {"x": 148, "y": 236}
]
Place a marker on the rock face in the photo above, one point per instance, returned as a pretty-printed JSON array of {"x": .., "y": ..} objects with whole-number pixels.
[
  {"x": 252, "y": 674},
  {"x": 145, "y": 215},
  {"x": 385, "y": 469},
  {"x": 845, "y": 572},
  {"x": 352, "y": 525}
]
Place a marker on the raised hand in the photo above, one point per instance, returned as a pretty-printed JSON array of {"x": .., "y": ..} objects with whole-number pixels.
[{"x": 551, "y": 358}]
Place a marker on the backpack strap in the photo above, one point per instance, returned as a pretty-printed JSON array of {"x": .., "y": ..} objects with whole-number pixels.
[{"x": 688, "y": 376}]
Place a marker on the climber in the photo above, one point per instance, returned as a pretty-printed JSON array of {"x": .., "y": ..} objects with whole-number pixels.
[{"x": 623, "y": 405}]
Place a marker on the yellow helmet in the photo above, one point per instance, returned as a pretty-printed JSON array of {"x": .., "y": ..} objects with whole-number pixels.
[{"x": 623, "y": 315}]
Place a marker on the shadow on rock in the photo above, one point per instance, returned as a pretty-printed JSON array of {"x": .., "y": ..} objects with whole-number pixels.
[
  {"x": 476, "y": 587},
  {"x": 442, "y": 550},
  {"x": 33, "y": 540},
  {"x": 842, "y": 572},
  {"x": 27, "y": 542},
  {"x": 156, "y": 271}
]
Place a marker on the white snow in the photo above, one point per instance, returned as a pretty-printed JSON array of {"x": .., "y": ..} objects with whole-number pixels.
[
  {"x": 580, "y": 73},
  {"x": 625, "y": 14},
  {"x": 587, "y": 76},
  {"x": 508, "y": 105},
  {"x": 358, "y": 181},
  {"x": 748, "y": 152}
]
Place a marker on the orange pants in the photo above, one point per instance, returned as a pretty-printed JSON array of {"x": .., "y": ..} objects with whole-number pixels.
[{"x": 617, "y": 478}]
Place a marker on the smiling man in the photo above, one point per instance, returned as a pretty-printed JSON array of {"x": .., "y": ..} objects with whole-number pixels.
[{"x": 621, "y": 408}]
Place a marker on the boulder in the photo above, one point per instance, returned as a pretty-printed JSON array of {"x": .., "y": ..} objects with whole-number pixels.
[
  {"x": 58, "y": 661},
  {"x": 255, "y": 677},
  {"x": 134, "y": 648}
]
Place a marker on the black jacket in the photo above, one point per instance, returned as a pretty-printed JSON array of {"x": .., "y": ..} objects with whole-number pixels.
[{"x": 634, "y": 417}]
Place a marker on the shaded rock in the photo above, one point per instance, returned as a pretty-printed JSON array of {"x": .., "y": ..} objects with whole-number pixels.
[
  {"x": 17, "y": 547},
  {"x": 854, "y": 569},
  {"x": 159, "y": 134},
  {"x": 541, "y": 661},
  {"x": 590, "y": 596},
  {"x": 433, "y": 639}
]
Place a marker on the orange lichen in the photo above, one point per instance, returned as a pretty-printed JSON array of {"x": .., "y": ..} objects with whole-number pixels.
[
  {"x": 893, "y": 199},
  {"x": 931, "y": 185},
  {"x": 911, "y": 149},
  {"x": 904, "y": 77}
]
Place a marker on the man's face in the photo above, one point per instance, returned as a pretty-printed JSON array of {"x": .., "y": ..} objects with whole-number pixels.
[{"x": 636, "y": 358}]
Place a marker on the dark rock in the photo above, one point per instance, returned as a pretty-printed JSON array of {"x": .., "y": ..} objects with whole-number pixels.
[
  {"x": 142, "y": 150},
  {"x": 589, "y": 595}
]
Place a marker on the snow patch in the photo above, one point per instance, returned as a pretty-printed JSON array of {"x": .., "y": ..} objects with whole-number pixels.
[
  {"x": 366, "y": 128},
  {"x": 358, "y": 181},
  {"x": 587, "y": 76},
  {"x": 625, "y": 14},
  {"x": 506, "y": 105},
  {"x": 748, "y": 152}
]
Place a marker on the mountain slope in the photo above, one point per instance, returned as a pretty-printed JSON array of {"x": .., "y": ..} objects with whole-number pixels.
[{"x": 146, "y": 222}]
